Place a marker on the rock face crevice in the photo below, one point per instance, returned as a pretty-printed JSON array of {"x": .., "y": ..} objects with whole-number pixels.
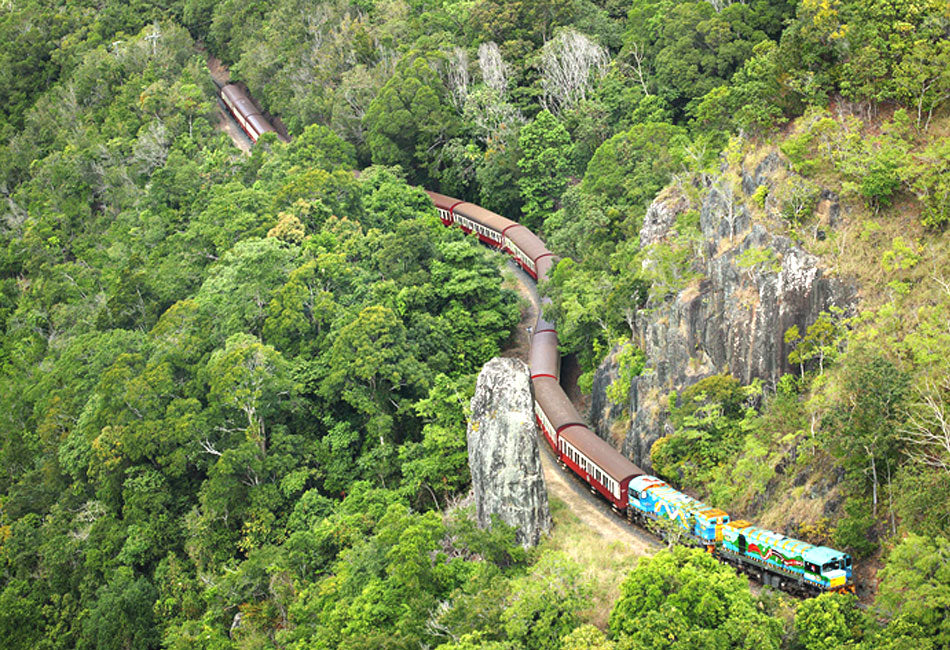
[
  {"x": 733, "y": 320},
  {"x": 503, "y": 452}
]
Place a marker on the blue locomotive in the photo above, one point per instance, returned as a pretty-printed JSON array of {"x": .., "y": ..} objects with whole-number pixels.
[{"x": 770, "y": 557}]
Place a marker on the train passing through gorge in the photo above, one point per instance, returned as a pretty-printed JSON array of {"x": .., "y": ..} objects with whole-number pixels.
[{"x": 771, "y": 558}]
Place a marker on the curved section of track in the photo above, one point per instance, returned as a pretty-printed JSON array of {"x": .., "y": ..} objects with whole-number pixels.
[{"x": 591, "y": 510}]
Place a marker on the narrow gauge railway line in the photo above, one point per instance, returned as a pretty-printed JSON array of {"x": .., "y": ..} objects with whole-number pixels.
[
  {"x": 771, "y": 558},
  {"x": 592, "y": 510}
]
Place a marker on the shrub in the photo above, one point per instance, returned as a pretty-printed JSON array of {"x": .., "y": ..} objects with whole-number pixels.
[{"x": 853, "y": 531}]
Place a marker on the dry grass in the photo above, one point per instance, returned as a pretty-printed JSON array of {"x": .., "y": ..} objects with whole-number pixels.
[
  {"x": 652, "y": 402},
  {"x": 747, "y": 297},
  {"x": 807, "y": 509},
  {"x": 691, "y": 291},
  {"x": 618, "y": 430},
  {"x": 604, "y": 563}
]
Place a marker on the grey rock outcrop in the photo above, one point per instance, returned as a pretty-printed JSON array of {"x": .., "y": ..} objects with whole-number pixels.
[
  {"x": 733, "y": 320},
  {"x": 503, "y": 451},
  {"x": 661, "y": 217}
]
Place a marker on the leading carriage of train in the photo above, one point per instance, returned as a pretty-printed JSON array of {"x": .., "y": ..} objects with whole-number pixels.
[{"x": 769, "y": 557}]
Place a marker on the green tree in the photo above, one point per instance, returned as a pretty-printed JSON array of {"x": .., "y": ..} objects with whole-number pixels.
[
  {"x": 410, "y": 119},
  {"x": 854, "y": 529},
  {"x": 318, "y": 146},
  {"x": 500, "y": 21},
  {"x": 248, "y": 381},
  {"x": 915, "y": 589},
  {"x": 893, "y": 36},
  {"x": 545, "y": 164},
  {"x": 238, "y": 290},
  {"x": 300, "y": 313},
  {"x": 544, "y": 604},
  {"x": 822, "y": 341},
  {"x": 438, "y": 463},
  {"x": 754, "y": 100},
  {"x": 710, "y": 425},
  {"x": 686, "y": 49},
  {"x": 628, "y": 170},
  {"x": 685, "y": 599},
  {"x": 21, "y": 621},
  {"x": 122, "y": 616},
  {"x": 370, "y": 360},
  {"x": 928, "y": 174},
  {"x": 586, "y": 637},
  {"x": 830, "y": 621},
  {"x": 863, "y": 428}
]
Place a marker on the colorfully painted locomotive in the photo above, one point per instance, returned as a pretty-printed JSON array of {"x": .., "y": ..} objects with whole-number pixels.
[
  {"x": 772, "y": 558},
  {"x": 769, "y": 557}
]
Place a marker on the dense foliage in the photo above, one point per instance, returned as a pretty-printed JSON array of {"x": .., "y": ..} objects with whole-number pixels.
[{"x": 232, "y": 389}]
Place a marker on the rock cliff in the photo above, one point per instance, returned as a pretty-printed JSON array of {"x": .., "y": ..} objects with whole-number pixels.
[
  {"x": 732, "y": 320},
  {"x": 503, "y": 451}
]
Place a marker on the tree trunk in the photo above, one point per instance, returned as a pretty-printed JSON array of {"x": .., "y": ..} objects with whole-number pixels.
[
  {"x": 890, "y": 500},
  {"x": 873, "y": 481}
]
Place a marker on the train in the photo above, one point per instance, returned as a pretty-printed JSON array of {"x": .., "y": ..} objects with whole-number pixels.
[
  {"x": 245, "y": 112},
  {"x": 769, "y": 557}
]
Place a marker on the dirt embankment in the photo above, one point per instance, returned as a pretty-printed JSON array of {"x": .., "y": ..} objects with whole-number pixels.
[{"x": 219, "y": 72}]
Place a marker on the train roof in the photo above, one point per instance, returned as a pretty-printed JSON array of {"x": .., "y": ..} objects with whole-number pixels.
[
  {"x": 663, "y": 491},
  {"x": 244, "y": 105},
  {"x": 443, "y": 201},
  {"x": 240, "y": 98},
  {"x": 611, "y": 461},
  {"x": 771, "y": 538},
  {"x": 554, "y": 402},
  {"x": 646, "y": 481},
  {"x": 821, "y": 554},
  {"x": 545, "y": 265},
  {"x": 529, "y": 243},
  {"x": 544, "y": 358},
  {"x": 262, "y": 125},
  {"x": 485, "y": 217},
  {"x": 809, "y": 552}
]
